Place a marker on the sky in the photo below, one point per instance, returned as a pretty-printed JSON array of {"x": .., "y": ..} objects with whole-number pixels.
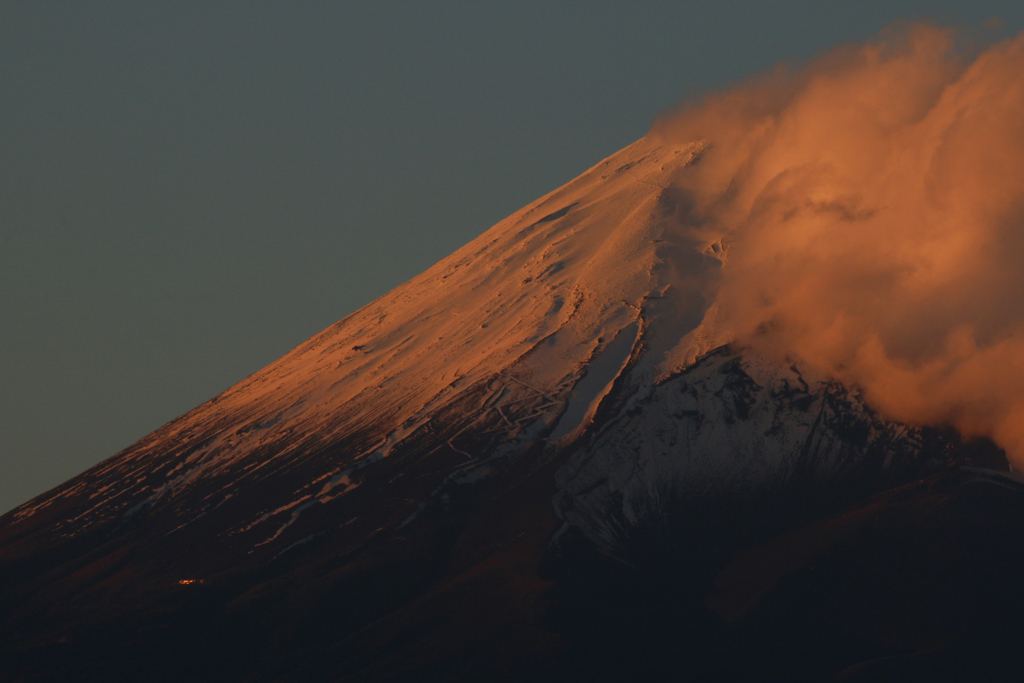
[{"x": 189, "y": 190}]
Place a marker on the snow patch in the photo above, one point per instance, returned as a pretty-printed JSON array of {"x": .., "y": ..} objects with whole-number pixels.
[{"x": 595, "y": 385}]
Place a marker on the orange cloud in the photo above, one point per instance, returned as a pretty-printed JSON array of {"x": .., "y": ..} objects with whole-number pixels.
[{"x": 872, "y": 204}]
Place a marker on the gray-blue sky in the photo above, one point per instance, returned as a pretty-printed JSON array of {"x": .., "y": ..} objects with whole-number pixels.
[{"x": 188, "y": 190}]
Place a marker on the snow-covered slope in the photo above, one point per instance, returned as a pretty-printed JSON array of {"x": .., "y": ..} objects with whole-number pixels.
[
  {"x": 521, "y": 310},
  {"x": 519, "y": 336}
]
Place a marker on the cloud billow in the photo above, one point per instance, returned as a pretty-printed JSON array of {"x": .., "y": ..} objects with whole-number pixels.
[{"x": 872, "y": 205}]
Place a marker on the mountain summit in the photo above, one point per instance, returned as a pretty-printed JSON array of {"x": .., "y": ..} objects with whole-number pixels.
[{"x": 538, "y": 460}]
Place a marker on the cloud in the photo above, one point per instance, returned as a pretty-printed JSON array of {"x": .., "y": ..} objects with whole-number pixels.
[{"x": 872, "y": 204}]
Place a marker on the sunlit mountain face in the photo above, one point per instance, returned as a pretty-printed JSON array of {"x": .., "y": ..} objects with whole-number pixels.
[{"x": 735, "y": 404}]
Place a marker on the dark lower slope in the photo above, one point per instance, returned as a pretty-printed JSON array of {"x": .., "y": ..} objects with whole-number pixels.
[{"x": 920, "y": 582}]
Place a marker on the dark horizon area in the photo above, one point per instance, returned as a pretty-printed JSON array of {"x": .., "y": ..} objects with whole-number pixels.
[{"x": 187, "y": 192}]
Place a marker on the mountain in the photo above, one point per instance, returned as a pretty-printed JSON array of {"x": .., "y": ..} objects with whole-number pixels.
[{"x": 535, "y": 461}]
